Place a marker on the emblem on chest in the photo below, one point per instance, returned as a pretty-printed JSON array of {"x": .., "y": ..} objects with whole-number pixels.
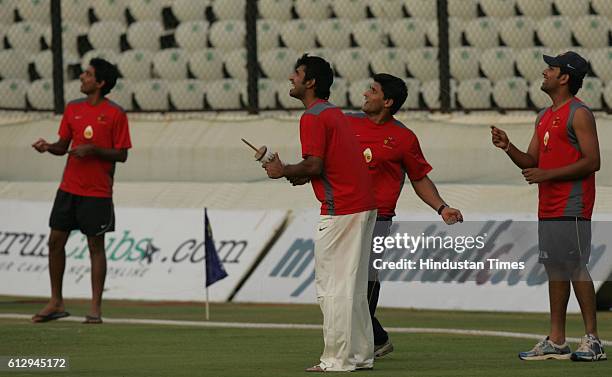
[
  {"x": 367, "y": 154},
  {"x": 88, "y": 132}
]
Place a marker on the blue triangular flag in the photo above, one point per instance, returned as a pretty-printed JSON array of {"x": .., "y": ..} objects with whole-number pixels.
[{"x": 214, "y": 267}]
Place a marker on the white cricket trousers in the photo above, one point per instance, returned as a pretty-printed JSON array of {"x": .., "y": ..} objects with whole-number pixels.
[{"x": 342, "y": 253}]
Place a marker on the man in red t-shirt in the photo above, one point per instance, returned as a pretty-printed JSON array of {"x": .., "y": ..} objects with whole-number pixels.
[
  {"x": 333, "y": 163},
  {"x": 97, "y": 131},
  {"x": 391, "y": 151},
  {"x": 562, "y": 159}
]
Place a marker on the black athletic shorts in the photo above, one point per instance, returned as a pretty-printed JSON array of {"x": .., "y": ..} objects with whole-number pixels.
[
  {"x": 564, "y": 239},
  {"x": 92, "y": 216}
]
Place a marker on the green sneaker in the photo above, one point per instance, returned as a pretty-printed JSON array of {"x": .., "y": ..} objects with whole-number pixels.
[{"x": 547, "y": 350}]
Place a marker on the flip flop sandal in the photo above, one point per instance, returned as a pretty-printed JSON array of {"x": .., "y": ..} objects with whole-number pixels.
[
  {"x": 41, "y": 318},
  {"x": 91, "y": 320}
]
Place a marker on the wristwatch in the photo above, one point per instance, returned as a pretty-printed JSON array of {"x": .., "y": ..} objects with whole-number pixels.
[{"x": 442, "y": 208}]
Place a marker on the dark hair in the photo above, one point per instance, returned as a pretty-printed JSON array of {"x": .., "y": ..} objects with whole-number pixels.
[
  {"x": 574, "y": 82},
  {"x": 318, "y": 69},
  {"x": 105, "y": 71},
  {"x": 393, "y": 88}
]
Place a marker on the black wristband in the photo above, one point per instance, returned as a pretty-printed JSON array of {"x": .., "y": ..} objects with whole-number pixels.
[{"x": 442, "y": 208}]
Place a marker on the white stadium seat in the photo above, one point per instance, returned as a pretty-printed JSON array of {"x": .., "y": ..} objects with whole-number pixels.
[
  {"x": 43, "y": 63},
  {"x": 423, "y": 63},
  {"x": 455, "y": 28},
  {"x": 106, "y": 35},
  {"x": 75, "y": 11},
  {"x": 352, "y": 64},
  {"x": 109, "y": 10},
  {"x": 338, "y": 91},
  {"x": 601, "y": 63},
  {"x": 151, "y": 95},
  {"x": 540, "y": 99},
  {"x": 591, "y": 31},
  {"x": 474, "y": 94},
  {"x": 386, "y": 10},
  {"x": 72, "y": 90},
  {"x": 408, "y": 33},
  {"x": 591, "y": 91},
  {"x": 146, "y": 10},
  {"x": 535, "y": 9},
  {"x": 431, "y": 93},
  {"x": 334, "y": 33},
  {"x": 412, "y": 100},
  {"x": 108, "y": 55},
  {"x": 189, "y": 10},
  {"x": 299, "y": 34},
  {"x": 465, "y": 9},
  {"x": 70, "y": 32},
  {"x": 26, "y": 35},
  {"x": 192, "y": 35},
  {"x": 122, "y": 94},
  {"x": 279, "y": 10},
  {"x": 266, "y": 94},
  {"x": 422, "y": 9},
  {"x": 572, "y": 8},
  {"x": 555, "y": 32},
  {"x": 13, "y": 93},
  {"x": 517, "y": 31},
  {"x": 227, "y": 34},
  {"x": 482, "y": 32},
  {"x": 497, "y": 63},
  {"x": 464, "y": 62},
  {"x": 370, "y": 34},
  {"x": 602, "y": 7},
  {"x": 390, "y": 60},
  {"x": 171, "y": 64},
  {"x": 511, "y": 93},
  {"x": 354, "y": 10},
  {"x": 277, "y": 64},
  {"x": 268, "y": 33},
  {"x": 498, "y": 8},
  {"x": 607, "y": 94},
  {"x": 187, "y": 94},
  {"x": 224, "y": 94},
  {"x": 313, "y": 9},
  {"x": 35, "y": 11},
  {"x": 530, "y": 64},
  {"x": 40, "y": 94},
  {"x": 206, "y": 64},
  {"x": 236, "y": 64},
  {"x": 6, "y": 15},
  {"x": 136, "y": 65},
  {"x": 12, "y": 64},
  {"x": 145, "y": 35},
  {"x": 356, "y": 90},
  {"x": 229, "y": 9}
]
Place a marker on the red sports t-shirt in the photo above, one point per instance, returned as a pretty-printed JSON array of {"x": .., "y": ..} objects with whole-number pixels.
[
  {"x": 344, "y": 187},
  {"x": 104, "y": 125},
  {"x": 390, "y": 151},
  {"x": 558, "y": 147}
]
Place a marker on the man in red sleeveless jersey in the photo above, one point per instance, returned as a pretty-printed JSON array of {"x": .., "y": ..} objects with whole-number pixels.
[
  {"x": 562, "y": 159},
  {"x": 332, "y": 162},
  {"x": 391, "y": 152},
  {"x": 96, "y": 130}
]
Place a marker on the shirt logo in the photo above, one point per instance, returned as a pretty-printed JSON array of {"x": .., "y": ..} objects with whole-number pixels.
[
  {"x": 546, "y": 137},
  {"x": 102, "y": 118},
  {"x": 88, "y": 133},
  {"x": 77, "y": 117},
  {"x": 367, "y": 153}
]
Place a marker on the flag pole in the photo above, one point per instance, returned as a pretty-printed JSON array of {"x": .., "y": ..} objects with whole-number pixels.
[{"x": 207, "y": 306}]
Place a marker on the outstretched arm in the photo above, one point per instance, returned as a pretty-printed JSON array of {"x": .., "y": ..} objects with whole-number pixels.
[
  {"x": 58, "y": 148},
  {"x": 311, "y": 166},
  {"x": 427, "y": 191}
]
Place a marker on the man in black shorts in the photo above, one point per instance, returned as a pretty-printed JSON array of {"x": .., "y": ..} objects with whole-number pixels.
[{"x": 97, "y": 131}]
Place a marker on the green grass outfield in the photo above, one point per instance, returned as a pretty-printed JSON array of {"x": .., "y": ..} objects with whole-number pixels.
[{"x": 156, "y": 350}]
